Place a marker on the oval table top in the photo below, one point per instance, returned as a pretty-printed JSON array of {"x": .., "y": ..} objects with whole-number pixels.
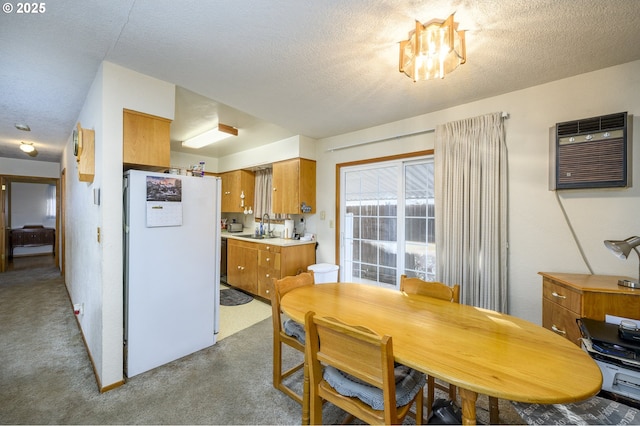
[{"x": 479, "y": 350}]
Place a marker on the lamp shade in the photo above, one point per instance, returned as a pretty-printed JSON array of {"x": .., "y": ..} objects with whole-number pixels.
[{"x": 622, "y": 248}]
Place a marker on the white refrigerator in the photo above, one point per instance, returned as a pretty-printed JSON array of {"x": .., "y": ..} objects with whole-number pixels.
[{"x": 171, "y": 267}]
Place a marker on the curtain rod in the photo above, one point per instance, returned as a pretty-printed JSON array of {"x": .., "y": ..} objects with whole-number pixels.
[{"x": 505, "y": 115}]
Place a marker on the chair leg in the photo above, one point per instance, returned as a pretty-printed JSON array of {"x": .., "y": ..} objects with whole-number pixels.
[
  {"x": 420, "y": 408},
  {"x": 277, "y": 364},
  {"x": 494, "y": 412}
]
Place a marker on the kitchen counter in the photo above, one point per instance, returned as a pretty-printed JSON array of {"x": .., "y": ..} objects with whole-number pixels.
[{"x": 283, "y": 242}]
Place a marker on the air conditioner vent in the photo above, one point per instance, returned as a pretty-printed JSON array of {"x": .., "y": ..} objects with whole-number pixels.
[
  {"x": 594, "y": 124},
  {"x": 590, "y": 153}
]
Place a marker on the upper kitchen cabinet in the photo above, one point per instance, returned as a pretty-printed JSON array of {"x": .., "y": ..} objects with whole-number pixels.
[
  {"x": 146, "y": 142},
  {"x": 237, "y": 190},
  {"x": 294, "y": 186}
]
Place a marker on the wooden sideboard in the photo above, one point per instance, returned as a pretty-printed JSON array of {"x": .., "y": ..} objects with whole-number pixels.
[
  {"x": 31, "y": 236},
  {"x": 566, "y": 297}
]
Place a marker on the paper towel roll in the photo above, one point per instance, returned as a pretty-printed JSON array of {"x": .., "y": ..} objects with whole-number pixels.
[{"x": 288, "y": 228}]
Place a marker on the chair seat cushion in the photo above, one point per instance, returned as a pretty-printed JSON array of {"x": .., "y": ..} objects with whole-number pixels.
[
  {"x": 408, "y": 384},
  {"x": 294, "y": 329}
]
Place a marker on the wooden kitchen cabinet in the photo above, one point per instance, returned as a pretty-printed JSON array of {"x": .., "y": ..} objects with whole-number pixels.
[
  {"x": 277, "y": 262},
  {"x": 242, "y": 265},
  {"x": 252, "y": 265},
  {"x": 567, "y": 297},
  {"x": 294, "y": 183},
  {"x": 234, "y": 184},
  {"x": 146, "y": 140}
]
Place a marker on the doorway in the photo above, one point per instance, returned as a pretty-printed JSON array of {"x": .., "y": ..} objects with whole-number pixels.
[{"x": 18, "y": 190}]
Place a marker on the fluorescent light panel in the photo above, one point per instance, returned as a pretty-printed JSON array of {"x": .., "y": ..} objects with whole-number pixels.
[{"x": 211, "y": 136}]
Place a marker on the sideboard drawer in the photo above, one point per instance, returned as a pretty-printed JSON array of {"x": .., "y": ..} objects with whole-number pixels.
[
  {"x": 560, "y": 320},
  {"x": 566, "y": 297}
]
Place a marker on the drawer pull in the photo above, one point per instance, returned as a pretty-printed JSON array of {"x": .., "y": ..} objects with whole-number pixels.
[
  {"x": 557, "y": 330},
  {"x": 559, "y": 296}
]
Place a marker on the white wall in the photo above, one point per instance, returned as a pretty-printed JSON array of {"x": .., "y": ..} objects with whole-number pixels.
[
  {"x": 95, "y": 268},
  {"x": 539, "y": 238},
  {"x": 17, "y": 167}
]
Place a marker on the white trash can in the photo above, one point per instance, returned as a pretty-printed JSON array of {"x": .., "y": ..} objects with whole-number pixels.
[{"x": 324, "y": 273}]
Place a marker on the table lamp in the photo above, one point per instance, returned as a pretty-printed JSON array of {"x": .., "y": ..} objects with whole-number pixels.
[{"x": 621, "y": 250}]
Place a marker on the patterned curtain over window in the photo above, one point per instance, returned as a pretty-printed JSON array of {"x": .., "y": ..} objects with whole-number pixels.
[{"x": 471, "y": 209}]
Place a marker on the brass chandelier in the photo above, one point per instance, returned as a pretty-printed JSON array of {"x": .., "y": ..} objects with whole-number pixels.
[{"x": 433, "y": 50}]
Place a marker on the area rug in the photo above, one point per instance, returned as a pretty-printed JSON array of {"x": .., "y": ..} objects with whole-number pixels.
[{"x": 233, "y": 297}]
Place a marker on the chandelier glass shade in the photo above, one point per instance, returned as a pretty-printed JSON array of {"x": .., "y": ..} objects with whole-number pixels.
[{"x": 433, "y": 50}]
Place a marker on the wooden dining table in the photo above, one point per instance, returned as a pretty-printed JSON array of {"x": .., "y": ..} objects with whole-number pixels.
[{"x": 478, "y": 350}]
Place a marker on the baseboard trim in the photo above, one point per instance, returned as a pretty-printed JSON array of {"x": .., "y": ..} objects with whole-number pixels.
[{"x": 101, "y": 389}]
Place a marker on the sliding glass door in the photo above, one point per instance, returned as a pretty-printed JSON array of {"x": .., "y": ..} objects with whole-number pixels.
[{"x": 379, "y": 240}]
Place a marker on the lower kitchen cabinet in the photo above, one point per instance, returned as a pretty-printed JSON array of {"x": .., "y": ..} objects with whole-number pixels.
[
  {"x": 242, "y": 265},
  {"x": 252, "y": 265}
]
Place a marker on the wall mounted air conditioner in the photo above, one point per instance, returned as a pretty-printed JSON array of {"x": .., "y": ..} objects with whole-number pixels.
[{"x": 590, "y": 153}]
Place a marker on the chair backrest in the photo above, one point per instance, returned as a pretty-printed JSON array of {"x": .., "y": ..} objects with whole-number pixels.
[
  {"x": 355, "y": 350},
  {"x": 430, "y": 288},
  {"x": 280, "y": 287}
]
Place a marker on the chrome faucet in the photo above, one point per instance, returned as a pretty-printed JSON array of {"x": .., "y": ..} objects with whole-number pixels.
[{"x": 268, "y": 223}]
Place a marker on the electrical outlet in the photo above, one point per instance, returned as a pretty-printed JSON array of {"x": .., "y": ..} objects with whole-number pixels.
[
  {"x": 98, "y": 234},
  {"x": 323, "y": 215},
  {"x": 331, "y": 223}
]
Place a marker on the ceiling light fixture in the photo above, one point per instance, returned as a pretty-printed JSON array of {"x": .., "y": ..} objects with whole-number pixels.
[
  {"x": 222, "y": 131},
  {"x": 433, "y": 50},
  {"x": 22, "y": 126},
  {"x": 28, "y": 148}
]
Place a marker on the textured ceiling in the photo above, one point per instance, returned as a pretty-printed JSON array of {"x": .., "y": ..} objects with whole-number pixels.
[{"x": 283, "y": 67}]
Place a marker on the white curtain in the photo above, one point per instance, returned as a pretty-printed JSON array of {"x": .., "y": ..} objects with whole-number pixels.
[
  {"x": 263, "y": 188},
  {"x": 51, "y": 202},
  {"x": 263, "y": 193},
  {"x": 471, "y": 209}
]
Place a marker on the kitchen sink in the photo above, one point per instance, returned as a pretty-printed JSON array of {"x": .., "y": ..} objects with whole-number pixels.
[{"x": 254, "y": 237}]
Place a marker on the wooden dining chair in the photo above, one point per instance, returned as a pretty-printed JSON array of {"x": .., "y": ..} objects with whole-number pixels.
[
  {"x": 452, "y": 294},
  {"x": 286, "y": 332},
  {"x": 353, "y": 368}
]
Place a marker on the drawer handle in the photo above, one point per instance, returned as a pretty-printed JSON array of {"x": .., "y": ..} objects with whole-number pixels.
[
  {"x": 559, "y": 296},
  {"x": 557, "y": 330},
  {"x": 268, "y": 259}
]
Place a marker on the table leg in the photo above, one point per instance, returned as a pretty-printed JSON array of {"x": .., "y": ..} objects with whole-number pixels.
[{"x": 468, "y": 399}]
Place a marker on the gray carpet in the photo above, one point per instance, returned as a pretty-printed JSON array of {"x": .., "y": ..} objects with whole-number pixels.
[{"x": 46, "y": 376}]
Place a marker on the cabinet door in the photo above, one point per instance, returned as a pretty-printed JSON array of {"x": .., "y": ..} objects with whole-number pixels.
[
  {"x": 146, "y": 140},
  {"x": 235, "y": 185},
  {"x": 294, "y": 183},
  {"x": 296, "y": 259},
  {"x": 286, "y": 185},
  {"x": 228, "y": 188},
  {"x": 242, "y": 261}
]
